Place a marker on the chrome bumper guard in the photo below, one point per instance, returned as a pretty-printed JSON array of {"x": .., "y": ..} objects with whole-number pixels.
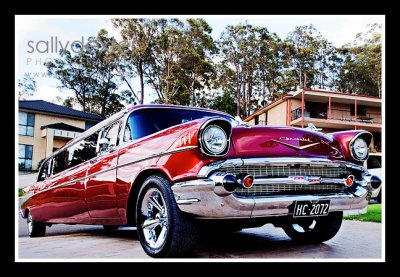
[{"x": 203, "y": 198}]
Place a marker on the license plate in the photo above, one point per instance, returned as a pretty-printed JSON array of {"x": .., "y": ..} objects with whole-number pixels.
[{"x": 311, "y": 208}]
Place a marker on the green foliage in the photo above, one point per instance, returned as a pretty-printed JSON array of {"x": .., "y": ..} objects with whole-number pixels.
[
  {"x": 26, "y": 86},
  {"x": 90, "y": 74},
  {"x": 361, "y": 70},
  {"x": 374, "y": 214},
  {"x": 182, "y": 63},
  {"x": 224, "y": 103}
]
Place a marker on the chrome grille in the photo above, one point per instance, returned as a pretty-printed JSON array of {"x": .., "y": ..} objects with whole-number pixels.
[
  {"x": 263, "y": 190},
  {"x": 287, "y": 170}
]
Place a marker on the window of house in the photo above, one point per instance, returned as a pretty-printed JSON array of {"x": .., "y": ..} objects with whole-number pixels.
[
  {"x": 256, "y": 120},
  {"x": 361, "y": 110},
  {"x": 89, "y": 124},
  {"x": 25, "y": 156},
  {"x": 315, "y": 110},
  {"x": 26, "y": 122}
]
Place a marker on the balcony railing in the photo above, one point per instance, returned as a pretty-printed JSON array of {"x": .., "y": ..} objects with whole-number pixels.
[{"x": 342, "y": 115}]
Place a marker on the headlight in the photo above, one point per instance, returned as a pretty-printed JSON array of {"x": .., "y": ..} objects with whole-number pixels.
[
  {"x": 359, "y": 149},
  {"x": 215, "y": 139}
]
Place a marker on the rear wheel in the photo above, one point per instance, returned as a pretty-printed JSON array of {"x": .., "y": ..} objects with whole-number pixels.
[
  {"x": 314, "y": 230},
  {"x": 163, "y": 230},
  {"x": 35, "y": 229}
]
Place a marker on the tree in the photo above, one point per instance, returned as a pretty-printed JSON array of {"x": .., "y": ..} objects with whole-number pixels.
[
  {"x": 361, "y": 70},
  {"x": 135, "y": 50},
  {"x": 307, "y": 53},
  {"x": 224, "y": 103},
  {"x": 91, "y": 74},
  {"x": 26, "y": 86},
  {"x": 238, "y": 63},
  {"x": 181, "y": 66},
  {"x": 196, "y": 66}
]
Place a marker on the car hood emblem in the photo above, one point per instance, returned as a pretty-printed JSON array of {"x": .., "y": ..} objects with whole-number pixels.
[{"x": 295, "y": 139}]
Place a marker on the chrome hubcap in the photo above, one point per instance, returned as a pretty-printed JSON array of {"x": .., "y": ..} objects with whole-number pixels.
[
  {"x": 155, "y": 223},
  {"x": 29, "y": 223},
  {"x": 304, "y": 227}
]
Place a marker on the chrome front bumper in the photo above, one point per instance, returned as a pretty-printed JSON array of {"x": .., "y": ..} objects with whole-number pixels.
[
  {"x": 206, "y": 198},
  {"x": 198, "y": 197}
]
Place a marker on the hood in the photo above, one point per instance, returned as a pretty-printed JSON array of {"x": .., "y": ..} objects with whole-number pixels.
[{"x": 268, "y": 141}]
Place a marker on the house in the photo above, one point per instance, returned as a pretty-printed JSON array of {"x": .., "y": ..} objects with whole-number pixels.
[
  {"x": 329, "y": 110},
  {"x": 43, "y": 127}
]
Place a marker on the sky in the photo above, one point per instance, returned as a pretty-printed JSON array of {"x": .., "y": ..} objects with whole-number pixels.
[{"x": 33, "y": 33}]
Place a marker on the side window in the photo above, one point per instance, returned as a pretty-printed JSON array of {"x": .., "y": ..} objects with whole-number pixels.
[
  {"x": 111, "y": 133},
  {"x": 127, "y": 133},
  {"x": 83, "y": 151},
  {"x": 45, "y": 171},
  {"x": 60, "y": 162}
]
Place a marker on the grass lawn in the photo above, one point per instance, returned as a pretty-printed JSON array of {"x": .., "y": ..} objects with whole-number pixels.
[
  {"x": 374, "y": 214},
  {"x": 20, "y": 192}
]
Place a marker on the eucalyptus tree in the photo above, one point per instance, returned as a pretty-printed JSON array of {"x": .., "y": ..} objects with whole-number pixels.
[
  {"x": 238, "y": 63},
  {"x": 90, "y": 74},
  {"x": 362, "y": 66},
  {"x": 135, "y": 49}
]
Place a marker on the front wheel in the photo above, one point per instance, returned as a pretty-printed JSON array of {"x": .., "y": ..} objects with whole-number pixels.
[
  {"x": 35, "y": 229},
  {"x": 379, "y": 198},
  {"x": 163, "y": 230},
  {"x": 314, "y": 230}
]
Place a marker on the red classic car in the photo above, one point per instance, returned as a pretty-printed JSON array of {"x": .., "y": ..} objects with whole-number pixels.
[{"x": 172, "y": 171}]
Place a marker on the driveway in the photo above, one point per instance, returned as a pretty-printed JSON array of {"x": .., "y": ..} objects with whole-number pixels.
[{"x": 359, "y": 240}]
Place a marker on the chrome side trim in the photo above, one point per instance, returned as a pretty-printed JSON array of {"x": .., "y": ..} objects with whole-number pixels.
[
  {"x": 164, "y": 153},
  {"x": 352, "y": 142},
  {"x": 114, "y": 167},
  {"x": 206, "y": 170}
]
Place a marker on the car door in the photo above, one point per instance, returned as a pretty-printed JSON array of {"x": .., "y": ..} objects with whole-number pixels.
[
  {"x": 101, "y": 199},
  {"x": 63, "y": 197}
]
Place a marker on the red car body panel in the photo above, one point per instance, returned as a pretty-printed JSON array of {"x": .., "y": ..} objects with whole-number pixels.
[
  {"x": 272, "y": 142},
  {"x": 97, "y": 191}
]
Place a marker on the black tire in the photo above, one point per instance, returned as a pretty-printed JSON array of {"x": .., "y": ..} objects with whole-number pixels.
[
  {"x": 314, "y": 230},
  {"x": 179, "y": 229},
  {"x": 379, "y": 198},
  {"x": 110, "y": 227},
  {"x": 35, "y": 229}
]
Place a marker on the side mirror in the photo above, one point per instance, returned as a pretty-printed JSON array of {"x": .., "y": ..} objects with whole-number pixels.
[{"x": 104, "y": 143}]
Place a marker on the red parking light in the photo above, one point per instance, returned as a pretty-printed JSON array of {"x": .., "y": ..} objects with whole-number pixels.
[
  {"x": 349, "y": 180},
  {"x": 248, "y": 182}
]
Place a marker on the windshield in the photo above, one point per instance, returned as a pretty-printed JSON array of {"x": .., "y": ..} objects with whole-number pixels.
[{"x": 144, "y": 122}]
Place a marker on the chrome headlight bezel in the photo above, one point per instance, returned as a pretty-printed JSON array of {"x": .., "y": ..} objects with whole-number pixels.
[
  {"x": 354, "y": 147},
  {"x": 223, "y": 129}
]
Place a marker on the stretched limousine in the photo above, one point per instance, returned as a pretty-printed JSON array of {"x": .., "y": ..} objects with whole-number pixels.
[{"x": 172, "y": 171}]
